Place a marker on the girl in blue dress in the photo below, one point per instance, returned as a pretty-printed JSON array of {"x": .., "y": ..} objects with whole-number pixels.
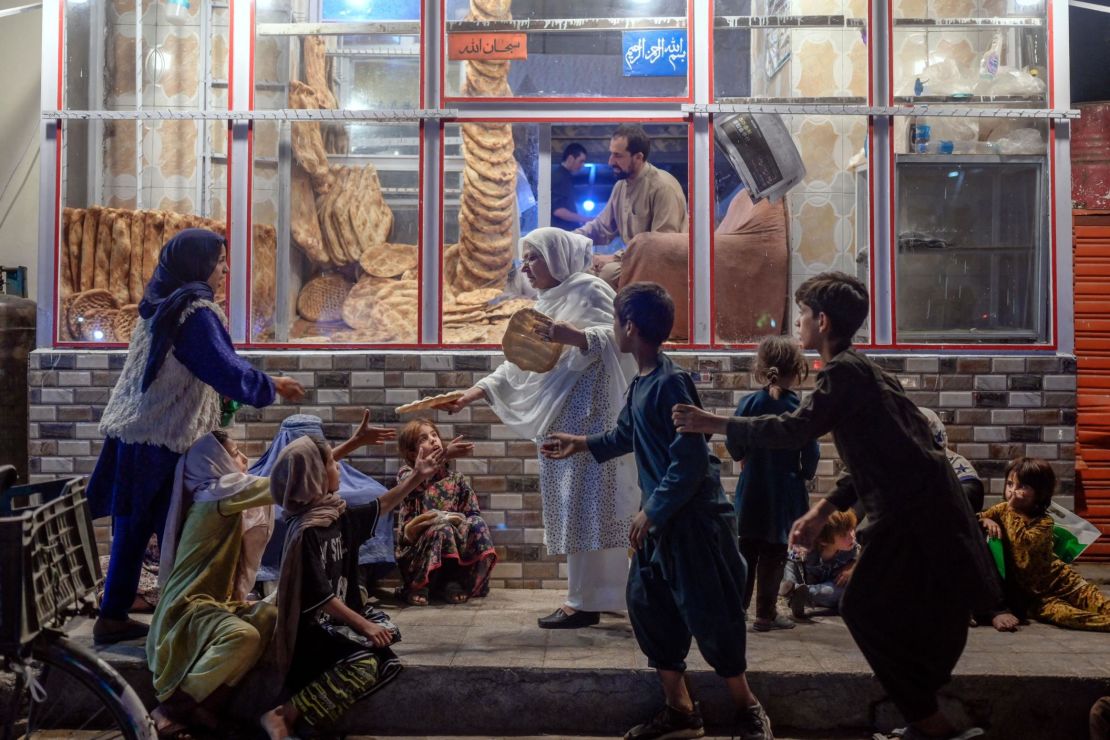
[
  {"x": 180, "y": 361},
  {"x": 771, "y": 492}
]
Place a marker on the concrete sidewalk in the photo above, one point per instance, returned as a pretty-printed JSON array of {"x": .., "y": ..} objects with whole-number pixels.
[{"x": 485, "y": 669}]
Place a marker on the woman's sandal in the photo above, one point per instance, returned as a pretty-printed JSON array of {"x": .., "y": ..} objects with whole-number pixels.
[
  {"x": 454, "y": 593},
  {"x": 416, "y": 597}
]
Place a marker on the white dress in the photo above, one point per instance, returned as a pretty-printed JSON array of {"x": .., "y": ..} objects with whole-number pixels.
[{"x": 586, "y": 505}]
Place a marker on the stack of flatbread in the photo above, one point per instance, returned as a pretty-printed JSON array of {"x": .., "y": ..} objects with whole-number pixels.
[
  {"x": 107, "y": 256},
  {"x": 474, "y": 317},
  {"x": 487, "y": 210}
]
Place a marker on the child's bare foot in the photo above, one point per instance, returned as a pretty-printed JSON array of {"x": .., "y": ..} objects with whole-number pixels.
[
  {"x": 166, "y": 725},
  {"x": 454, "y": 593},
  {"x": 276, "y": 724},
  {"x": 416, "y": 597}
]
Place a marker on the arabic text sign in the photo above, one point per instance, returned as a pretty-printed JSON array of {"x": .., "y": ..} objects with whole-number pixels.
[
  {"x": 654, "y": 53},
  {"x": 487, "y": 46}
]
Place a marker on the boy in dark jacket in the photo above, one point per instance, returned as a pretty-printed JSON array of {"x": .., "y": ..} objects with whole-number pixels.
[{"x": 687, "y": 578}]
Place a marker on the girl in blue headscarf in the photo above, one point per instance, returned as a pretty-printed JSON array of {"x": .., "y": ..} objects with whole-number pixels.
[{"x": 180, "y": 361}]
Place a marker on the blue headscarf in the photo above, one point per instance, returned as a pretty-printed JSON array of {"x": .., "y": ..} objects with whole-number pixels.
[{"x": 184, "y": 266}]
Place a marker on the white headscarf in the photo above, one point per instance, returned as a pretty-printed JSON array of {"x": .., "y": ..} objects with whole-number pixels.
[
  {"x": 528, "y": 402},
  {"x": 205, "y": 473},
  {"x": 564, "y": 251}
]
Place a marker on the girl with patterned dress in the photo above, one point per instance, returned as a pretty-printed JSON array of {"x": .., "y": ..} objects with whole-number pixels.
[
  {"x": 444, "y": 545},
  {"x": 180, "y": 361},
  {"x": 587, "y": 506},
  {"x": 1050, "y": 589}
]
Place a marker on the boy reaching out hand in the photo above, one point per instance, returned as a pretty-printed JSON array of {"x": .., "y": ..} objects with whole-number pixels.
[{"x": 687, "y": 577}]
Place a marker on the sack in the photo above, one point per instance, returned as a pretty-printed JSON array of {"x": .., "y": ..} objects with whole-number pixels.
[{"x": 1071, "y": 534}]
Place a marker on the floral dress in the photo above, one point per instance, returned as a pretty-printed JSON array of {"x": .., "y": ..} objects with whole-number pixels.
[{"x": 468, "y": 543}]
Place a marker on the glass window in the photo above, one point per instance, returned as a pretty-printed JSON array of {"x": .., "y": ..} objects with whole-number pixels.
[
  {"x": 971, "y": 230},
  {"x": 616, "y": 49},
  {"x": 504, "y": 179},
  {"x": 790, "y": 50},
  {"x": 119, "y": 208},
  {"x": 335, "y": 255},
  {"x": 975, "y": 51},
  {"x": 349, "y": 55},
  {"x": 181, "y": 64},
  {"x": 763, "y": 251}
]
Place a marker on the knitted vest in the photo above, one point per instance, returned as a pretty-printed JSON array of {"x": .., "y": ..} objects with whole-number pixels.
[{"x": 175, "y": 411}]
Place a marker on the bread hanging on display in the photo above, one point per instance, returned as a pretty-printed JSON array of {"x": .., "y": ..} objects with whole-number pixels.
[{"x": 111, "y": 254}]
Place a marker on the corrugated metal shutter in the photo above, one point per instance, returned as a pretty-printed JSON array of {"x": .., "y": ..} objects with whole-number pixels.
[{"x": 1091, "y": 231}]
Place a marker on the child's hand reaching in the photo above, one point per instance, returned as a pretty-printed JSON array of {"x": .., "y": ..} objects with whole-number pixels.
[
  {"x": 427, "y": 463},
  {"x": 371, "y": 435},
  {"x": 458, "y": 448},
  {"x": 991, "y": 527},
  {"x": 559, "y": 446}
]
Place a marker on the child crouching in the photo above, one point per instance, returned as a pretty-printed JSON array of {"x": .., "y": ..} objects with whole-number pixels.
[
  {"x": 444, "y": 544},
  {"x": 820, "y": 577}
]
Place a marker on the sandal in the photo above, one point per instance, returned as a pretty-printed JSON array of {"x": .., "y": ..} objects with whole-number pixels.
[
  {"x": 454, "y": 593},
  {"x": 416, "y": 597}
]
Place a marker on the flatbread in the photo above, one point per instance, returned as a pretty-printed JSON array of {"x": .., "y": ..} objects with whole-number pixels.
[
  {"x": 124, "y": 325},
  {"x": 263, "y": 279},
  {"x": 389, "y": 260},
  {"x": 120, "y": 266},
  {"x": 82, "y": 303},
  {"x": 305, "y": 226},
  {"x": 321, "y": 299},
  {"x": 308, "y": 142},
  {"x": 526, "y": 350},
  {"x": 153, "y": 226},
  {"x": 314, "y": 49},
  {"x": 102, "y": 276},
  {"x": 429, "y": 403},
  {"x": 135, "y": 283}
]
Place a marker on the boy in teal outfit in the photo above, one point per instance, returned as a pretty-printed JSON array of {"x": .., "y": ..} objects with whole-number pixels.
[{"x": 687, "y": 577}]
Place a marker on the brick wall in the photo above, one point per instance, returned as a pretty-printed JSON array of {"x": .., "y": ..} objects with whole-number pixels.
[{"x": 995, "y": 408}]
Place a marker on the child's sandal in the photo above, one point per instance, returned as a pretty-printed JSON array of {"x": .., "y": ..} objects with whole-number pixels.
[{"x": 416, "y": 597}]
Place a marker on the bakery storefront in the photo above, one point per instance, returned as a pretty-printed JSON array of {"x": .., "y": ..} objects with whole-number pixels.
[{"x": 374, "y": 164}]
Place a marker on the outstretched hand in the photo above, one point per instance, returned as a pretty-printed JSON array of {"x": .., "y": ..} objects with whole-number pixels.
[
  {"x": 458, "y": 447},
  {"x": 288, "y": 388},
  {"x": 692, "y": 420},
  {"x": 427, "y": 463},
  {"x": 560, "y": 332},
  {"x": 372, "y": 435},
  {"x": 559, "y": 445}
]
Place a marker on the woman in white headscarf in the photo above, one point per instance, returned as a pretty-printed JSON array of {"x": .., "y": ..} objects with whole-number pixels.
[{"x": 587, "y": 506}]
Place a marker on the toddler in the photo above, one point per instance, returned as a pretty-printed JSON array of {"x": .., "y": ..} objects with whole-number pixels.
[
  {"x": 819, "y": 577},
  {"x": 1051, "y": 591}
]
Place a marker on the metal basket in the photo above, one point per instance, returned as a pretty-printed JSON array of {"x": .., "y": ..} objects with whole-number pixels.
[{"x": 48, "y": 558}]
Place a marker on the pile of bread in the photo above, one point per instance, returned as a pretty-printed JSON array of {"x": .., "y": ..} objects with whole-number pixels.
[
  {"x": 361, "y": 288},
  {"x": 107, "y": 256},
  {"x": 483, "y": 256}
]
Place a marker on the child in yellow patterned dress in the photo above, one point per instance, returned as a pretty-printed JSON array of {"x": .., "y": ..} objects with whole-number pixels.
[{"x": 1052, "y": 591}]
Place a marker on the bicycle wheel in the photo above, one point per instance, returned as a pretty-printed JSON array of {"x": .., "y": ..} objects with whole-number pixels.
[{"x": 67, "y": 693}]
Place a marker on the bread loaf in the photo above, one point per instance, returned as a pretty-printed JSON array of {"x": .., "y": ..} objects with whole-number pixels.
[
  {"x": 102, "y": 274},
  {"x": 66, "y": 286},
  {"x": 88, "y": 248},
  {"x": 135, "y": 283},
  {"x": 305, "y": 224},
  {"x": 73, "y": 247},
  {"x": 321, "y": 299},
  {"x": 120, "y": 263},
  {"x": 153, "y": 226}
]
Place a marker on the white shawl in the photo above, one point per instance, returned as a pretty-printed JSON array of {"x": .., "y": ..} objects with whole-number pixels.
[
  {"x": 206, "y": 473},
  {"x": 528, "y": 402}
]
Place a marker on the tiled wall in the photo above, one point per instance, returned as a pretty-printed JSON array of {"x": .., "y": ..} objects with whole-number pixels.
[
  {"x": 174, "y": 78},
  {"x": 995, "y": 407}
]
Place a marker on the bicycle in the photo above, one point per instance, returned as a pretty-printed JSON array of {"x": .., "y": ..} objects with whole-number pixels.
[{"x": 51, "y": 687}]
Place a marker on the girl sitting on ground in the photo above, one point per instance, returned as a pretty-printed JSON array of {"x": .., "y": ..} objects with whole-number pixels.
[
  {"x": 820, "y": 577},
  {"x": 444, "y": 544},
  {"x": 1051, "y": 591},
  {"x": 329, "y": 652}
]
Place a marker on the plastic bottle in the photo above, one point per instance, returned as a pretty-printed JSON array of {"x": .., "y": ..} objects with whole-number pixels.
[{"x": 988, "y": 64}]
